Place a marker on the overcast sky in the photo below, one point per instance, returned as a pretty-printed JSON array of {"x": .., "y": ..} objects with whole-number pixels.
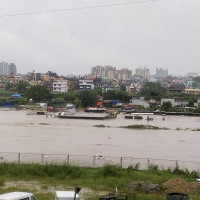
[{"x": 162, "y": 33}]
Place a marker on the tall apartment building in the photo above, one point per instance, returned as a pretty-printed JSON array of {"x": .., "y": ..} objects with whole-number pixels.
[
  {"x": 7, "y": 69},
  {"x": 107, "y": 72},
  {"x": 161, "y": 73},
  {"x": 124, "y": 74},
  {"x": 97, "y": 71},
  {"x": 110, "y": 73},
  {"x": 13, "y": 69},
  {"x": 143, "y": 72},
  {"x": 4, "y": 68}
]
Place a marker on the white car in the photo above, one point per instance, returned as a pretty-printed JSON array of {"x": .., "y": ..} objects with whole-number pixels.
[{"x": 17, "y": 196}]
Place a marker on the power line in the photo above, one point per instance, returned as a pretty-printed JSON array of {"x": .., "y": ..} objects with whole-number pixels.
[{"x": 73, "y": 9}]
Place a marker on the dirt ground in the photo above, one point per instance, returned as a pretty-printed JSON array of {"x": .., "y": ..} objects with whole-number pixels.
[{"x": 36, "y": 187}]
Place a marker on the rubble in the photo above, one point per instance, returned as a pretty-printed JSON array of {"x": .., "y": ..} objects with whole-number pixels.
[
  {"x": 143, "y": 186},
  {"x": 181, "y": 186}
]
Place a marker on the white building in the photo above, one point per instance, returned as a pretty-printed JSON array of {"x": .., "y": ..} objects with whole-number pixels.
[
  {"x": 176, "y": 101},
  {"x": 86, "y": 85},
  {"x": 60, "y": 86},
  {"x": 139, "y": 102},
  {"x": 7, "y": 69}
]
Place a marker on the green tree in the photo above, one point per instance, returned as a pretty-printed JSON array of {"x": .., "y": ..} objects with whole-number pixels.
[
  {"x": 88, "y": 98},
  {"x": 117, "y": 95},
  {"x": 152, "y": 90},
  {"x": 70, "y": 96},
  {"x": 98, "y": 90},
  {"x": 23, "y": 87},
  {"x": 10, "y": 87},
  {"x": 123, "y": 87},
  {"x": 73, "y": 85},
  {"x": 166, "y": 106},
  {"x": 39, "y": 93},
  {"x": 22, "y": 101},
  {"x": 192, "y": 100}
]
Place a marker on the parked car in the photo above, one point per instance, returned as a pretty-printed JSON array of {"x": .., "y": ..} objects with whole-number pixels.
[{"x": 17, "y": 196}]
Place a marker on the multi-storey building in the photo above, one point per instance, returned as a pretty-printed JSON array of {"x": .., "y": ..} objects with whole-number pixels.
[
  {"x": 110, "y": 73},
  {"x": 97, "y": 71},
  {"x": 143, "y": 72},
  {"x": 60, "y": 86},
  {"x": 86, "y": 85},
  {"x": 13, "y": 69},
  {"x": 4, "y": 68},
  {"x": 7, "y": 69},
  {"x": 124, "y": 74},
  {"x": 10, "y": 79},
  {"x": 160, "y": 73}
]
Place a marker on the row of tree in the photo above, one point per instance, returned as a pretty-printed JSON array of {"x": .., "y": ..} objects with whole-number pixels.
[{"x": 40, "y": 93}]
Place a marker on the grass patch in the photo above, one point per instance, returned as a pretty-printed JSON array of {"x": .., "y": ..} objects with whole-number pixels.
[
  {"x": 44, "y": 124},
  {"x": 141, "y": 126},
  {"x": 196, "y": 129},
  {"x": 101, "y": 126},
  {"x": 99, "y": 180}
]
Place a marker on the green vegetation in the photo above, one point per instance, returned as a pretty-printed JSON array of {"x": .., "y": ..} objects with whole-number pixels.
[
  {"x": 141, "y": 126},
  {"x": 84, "y": 98},
  {"x": 101, "y": 126},
  {"x": 23, "y": 87},
  {"x": 88, "y": 98},
  {"x": 39, "y": 93},
  {"x": 152, "y": 90},
  {"x": 5, "y": 94},
  {"x": 99, "y": 180},
  {"x": 167, "y": 106},
  {"x": 117, "y": 95},
  {"x": 44, "y": 124},
  {"x": 10, "y": 87}
]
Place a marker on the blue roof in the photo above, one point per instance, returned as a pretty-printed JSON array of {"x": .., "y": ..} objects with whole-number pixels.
[
  {"x": 115, "y": 101},
  {"x": 16, "y": 96}
]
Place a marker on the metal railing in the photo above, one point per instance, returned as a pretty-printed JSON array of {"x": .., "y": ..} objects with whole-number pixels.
[{"x": 98, "y": 161}]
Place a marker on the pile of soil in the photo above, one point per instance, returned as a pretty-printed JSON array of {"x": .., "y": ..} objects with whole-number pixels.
[
  {"x": 143, "y": 186},
  {"x": 181, "y": 186}
]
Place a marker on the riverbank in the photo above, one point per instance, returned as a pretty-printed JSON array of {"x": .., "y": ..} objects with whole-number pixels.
[{"x": 176, "y": 113}]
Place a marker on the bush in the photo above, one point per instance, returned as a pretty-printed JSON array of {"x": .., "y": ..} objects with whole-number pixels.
[{"x": 109, "y": 171}]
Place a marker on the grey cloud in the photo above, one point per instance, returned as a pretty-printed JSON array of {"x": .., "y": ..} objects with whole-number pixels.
[{"x": 164, "y": 33}]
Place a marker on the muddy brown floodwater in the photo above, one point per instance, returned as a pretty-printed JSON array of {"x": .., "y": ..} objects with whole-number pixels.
[{"x": 38, "y": 134}]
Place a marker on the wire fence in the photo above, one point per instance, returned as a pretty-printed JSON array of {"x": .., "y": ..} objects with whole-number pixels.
[{"x": 98, "y": 161}]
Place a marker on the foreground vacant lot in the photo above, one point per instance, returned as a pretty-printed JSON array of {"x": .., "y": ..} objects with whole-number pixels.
[{"x": 44, "y": 180}]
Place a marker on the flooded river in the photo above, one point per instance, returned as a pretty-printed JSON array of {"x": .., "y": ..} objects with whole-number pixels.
[{"x": 38, "y": 134}]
